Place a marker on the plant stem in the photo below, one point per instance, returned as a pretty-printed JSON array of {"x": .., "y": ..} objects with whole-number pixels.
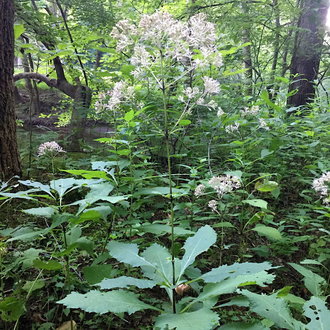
[{"x": 169, "y": 172}]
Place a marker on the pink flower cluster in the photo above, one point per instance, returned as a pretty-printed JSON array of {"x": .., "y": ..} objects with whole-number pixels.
[
  {"x": 322, "y": 186},
  {"x": 49, "y": 147}
]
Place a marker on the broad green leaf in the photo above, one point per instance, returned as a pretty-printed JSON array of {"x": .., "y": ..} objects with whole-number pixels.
[
  {"x": 204, "y": 238},
  {"x": 36, "y": 185},
  {"x": 63, "y": 186},
  {"x": 47, "y": 265},
  {"x": 223, "y": 272},
  {"x": 266, "y": 186},
  {"x": 129, "y": 116},
  {"x": 96, "y": 273},
  {"x": 160, "y": 258},
  {"x": 184, "y": 122},
  {"x": 125, "y": 282},
  {"x": 31, "y": 286},
  {"x": 313, "y": 282},
  {"x": 265, "y": 97},
  {"x": 224, "y": 224},
  {"x": 202, "y": 319},
  {"x": 160, "y": 229},
  {"x": 270, "y": 232},
  {"x": 244, "y": 326},
  {"x": 127, "y": 253},
  {"x": 11, "y": 308},
  {"x": 27, "y": 236},
  {"x": 18, "y": 30},
  {"x": 89, "y": 174},
  {"x": 273, "y": 308},
  {"x": 230, "y": 285},
  {"x": 46, "y": 212},
  {"x": 117, "y": 301},
  {"x": 256, "y": 202},
  {"x": 164, "y": 191},
  {"x": 318, "y": 313},
  {"x": 265, "y": 152}
]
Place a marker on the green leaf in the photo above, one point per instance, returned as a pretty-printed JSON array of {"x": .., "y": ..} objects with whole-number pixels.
[
  {"x": 202, "y": 319},
  {"x": 266, "y": 186},
  {"x": 246, "y": 268},
  {"x": 256, "y": 202},
  {"x": 164, "y": 191},
  {"x": 117, "y": 301},
  {"x": 129, "y": 115},
  {"x": 270, "y": 232},
  {"x": 184, "y": 122},
  {"x": 96, "y": 273},
  {"x": 244, "y": 326},
  {"x": 160, "y": 258},
  {"x": 160, "y": 229},
  {"x": 11, "y": 308},
  {"x": 46, "y": 212},
  {"x": 125, "y": 282},
  {"x": 31, "y": 286},
  {"x": 273, "y": 308},
  {"x": 313, "y": 282},
  {"x": 127, "y": 253},
  {"x": 18, "y": 30},
  {"x": 89, "y": 174},
  {"x": 230, "y": 285},
  {"x": 204, "y": 238},
  {"x": 265, "y": 97},
  {"x": 27, "y": 236},
  {"x": 265, "y": 152},
  {"x": 47, "y": 265},
  {"x": 316, "y": 310}
]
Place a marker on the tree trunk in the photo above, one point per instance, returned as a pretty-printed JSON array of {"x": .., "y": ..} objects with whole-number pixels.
[
  {"x": 9, "y": 157},
  {"x": 307, "y": 51}
]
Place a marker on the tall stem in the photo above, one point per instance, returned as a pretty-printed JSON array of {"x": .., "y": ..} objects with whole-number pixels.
[{"x": 169, "y": 171}]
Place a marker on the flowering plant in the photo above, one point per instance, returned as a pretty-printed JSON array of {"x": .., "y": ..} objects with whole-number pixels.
[
  {"x": 49, "y": 151},
  {"x": 322, "y": 186},
  {"x": 49, "y": 147}
]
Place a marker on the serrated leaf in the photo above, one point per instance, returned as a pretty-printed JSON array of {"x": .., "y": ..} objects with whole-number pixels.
[
  {"x": 246, "y": 268},
  {"x": 117, "y": 301},
  {"x": 160, "y": 258},
  {"x": 313, "y": 282},
  {"x": 318, "y": 313},
  {"x": 244, "y": 326},
  {"x": 275, "y": 309},
  {"x": 160, "y": 229},
  {"x": 46, "y": 212},
  {"x": 96, "y": 273},
  {"x": 125, "y": 282},
  {"x": 127, "y": 253},
  {"x": 256, "y": 202},
  {"x": 47, "y": 265},
  {"x": 270, "y": 232},
  {"x": 231, "y": 284},
  {"x": 202, "y": 319},
  {"x": 204, "y": 238}
]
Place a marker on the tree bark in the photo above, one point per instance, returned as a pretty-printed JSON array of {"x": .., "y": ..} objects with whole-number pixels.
[
  {"x": 9, "y": 157},
  {"x": 307, "y": 51}
]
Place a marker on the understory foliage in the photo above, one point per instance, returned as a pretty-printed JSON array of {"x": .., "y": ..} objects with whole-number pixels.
[{"x": 196, "y": 213}]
